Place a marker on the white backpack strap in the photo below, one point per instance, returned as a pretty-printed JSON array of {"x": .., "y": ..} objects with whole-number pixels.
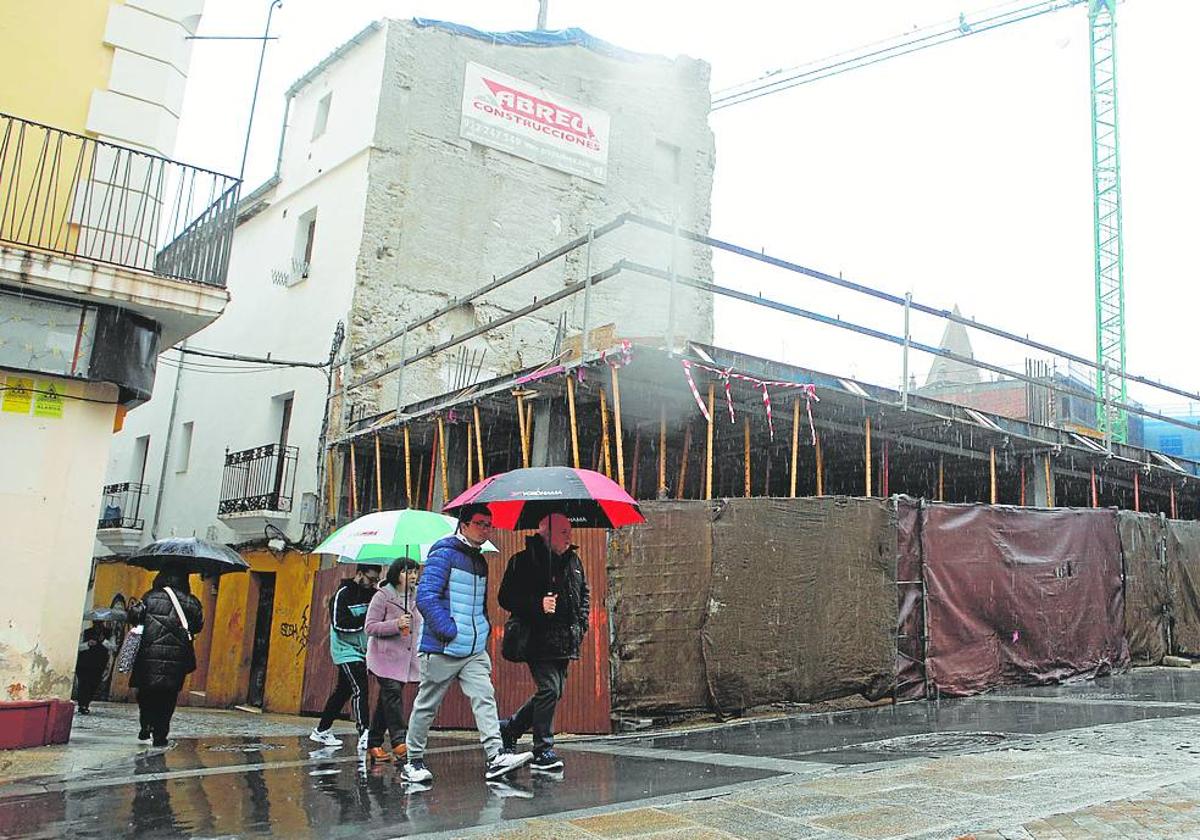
[{"x": 179, "y": 611}]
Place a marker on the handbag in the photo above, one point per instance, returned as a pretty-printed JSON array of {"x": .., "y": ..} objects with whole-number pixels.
[
  {"x": 515, "y": 645},
  {"x": 127, "y": 655}
]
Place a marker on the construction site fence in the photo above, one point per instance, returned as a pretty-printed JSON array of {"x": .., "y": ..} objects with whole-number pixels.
[{"x": 738, "y": 603}]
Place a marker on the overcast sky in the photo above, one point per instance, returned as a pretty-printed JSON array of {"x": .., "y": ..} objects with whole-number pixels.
[{"x": 961, "y": 174}]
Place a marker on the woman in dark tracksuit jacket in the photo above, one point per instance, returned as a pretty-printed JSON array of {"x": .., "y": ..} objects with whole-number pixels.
[{"x": 348, "y": 649}]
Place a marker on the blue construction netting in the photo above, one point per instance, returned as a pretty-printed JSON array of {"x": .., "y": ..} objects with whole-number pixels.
[{"x": 539, "y": 38}]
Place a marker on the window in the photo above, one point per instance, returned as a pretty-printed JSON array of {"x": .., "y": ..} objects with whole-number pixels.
[
  {"x": 184, "y": 453},
  {"x": 322, "y": 118},
  {"x": 306, "y": 235},
  {"x": 141, "y": 451}
]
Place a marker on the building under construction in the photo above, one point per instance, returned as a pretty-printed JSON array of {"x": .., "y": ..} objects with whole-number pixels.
[{"x": 671, "y": 418}]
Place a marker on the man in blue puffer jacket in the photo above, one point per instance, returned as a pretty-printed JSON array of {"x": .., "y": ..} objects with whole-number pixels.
[{"x": 451, "y": 596}]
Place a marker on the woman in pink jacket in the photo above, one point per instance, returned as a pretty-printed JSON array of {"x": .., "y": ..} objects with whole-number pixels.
[{"x": 393, "y": 632}]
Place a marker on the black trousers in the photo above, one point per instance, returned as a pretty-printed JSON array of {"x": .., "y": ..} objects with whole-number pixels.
[
  {"x": 537, "y": 715},
  {"x": 389, "y": 713},
  {"x": 89, "y": 682},
  {"x": 352, "y": 686},
  {"x": 156, "y": 706}
]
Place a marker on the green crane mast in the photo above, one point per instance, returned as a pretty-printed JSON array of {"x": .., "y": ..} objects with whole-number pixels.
[{"x": 1106, "y": 198}]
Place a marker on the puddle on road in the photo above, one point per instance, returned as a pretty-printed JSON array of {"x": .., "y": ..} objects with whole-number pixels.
[{"x": 349, "y": 799}]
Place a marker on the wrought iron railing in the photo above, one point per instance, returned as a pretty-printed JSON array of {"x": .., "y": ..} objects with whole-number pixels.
[
  {"x": 74, "y": 195},
  {"x": 121, "y": 506},
  {"x": 259, "y": 479}
]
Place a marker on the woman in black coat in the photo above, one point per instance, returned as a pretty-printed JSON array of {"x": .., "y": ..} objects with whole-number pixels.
[{"x": 165, "y": 656}]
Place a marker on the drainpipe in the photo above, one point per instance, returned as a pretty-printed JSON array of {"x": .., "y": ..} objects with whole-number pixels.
[{"x": 162, "y": 472}]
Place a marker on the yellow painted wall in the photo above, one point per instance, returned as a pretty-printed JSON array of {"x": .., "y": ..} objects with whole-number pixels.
[
  {"x": 232, "y": 629},
  {"x": 233, "y": 633},
  {"x": 52, "y": 56}
]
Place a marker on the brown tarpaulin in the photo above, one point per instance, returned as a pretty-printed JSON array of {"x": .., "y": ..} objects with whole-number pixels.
[
  {"x": 1183, "y": 577},
  {"x": 795, "y": 600},
  {"x": 803, "y": 604},
  {"x": 1020, "y": 596},
  {"x": 910, "y": 623},
  {"x": 1147, "y": 600},
  {"x": 658, "y": 579}
]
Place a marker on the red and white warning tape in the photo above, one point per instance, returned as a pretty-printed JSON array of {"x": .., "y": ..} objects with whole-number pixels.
[{"x": 726, "y": 375}]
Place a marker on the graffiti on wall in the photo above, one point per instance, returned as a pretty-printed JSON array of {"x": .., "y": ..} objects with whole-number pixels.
[{"x": 299, "y": 632}]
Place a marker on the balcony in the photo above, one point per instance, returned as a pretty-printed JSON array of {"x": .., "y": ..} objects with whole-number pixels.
[
  {"x": 100, "y": 223},
  {"x": 256, "y": 489},
  {"x": 120, "y": 527}
]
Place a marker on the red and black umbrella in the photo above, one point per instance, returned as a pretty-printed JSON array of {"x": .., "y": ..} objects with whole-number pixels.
[{"x": 522, "y": 498}]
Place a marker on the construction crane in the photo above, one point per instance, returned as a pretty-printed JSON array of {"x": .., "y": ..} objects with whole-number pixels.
[{"x": 1111, "y": 391}]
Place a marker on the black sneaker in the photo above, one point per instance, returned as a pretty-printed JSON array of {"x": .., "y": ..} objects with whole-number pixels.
[
  {"x": 143, "y": 736},
  {"x": 546, "y": 761},
  {"x": 416, "y": 771},
  {"x": 506, "y": 735}
]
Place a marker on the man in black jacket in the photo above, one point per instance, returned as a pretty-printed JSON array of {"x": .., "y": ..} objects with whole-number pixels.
[{"x": 544, "y": 586}]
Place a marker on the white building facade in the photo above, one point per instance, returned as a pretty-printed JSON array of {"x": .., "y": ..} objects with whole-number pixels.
[{"x": 385, "y": 206}]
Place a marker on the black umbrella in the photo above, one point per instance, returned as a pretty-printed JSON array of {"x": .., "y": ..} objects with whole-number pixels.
[
  {"x": 105, "y": 614},
  {"x": 189, "y": 554}
]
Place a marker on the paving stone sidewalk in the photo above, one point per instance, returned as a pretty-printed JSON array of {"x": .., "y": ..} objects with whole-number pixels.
[{"x": 1132, "y": 780}]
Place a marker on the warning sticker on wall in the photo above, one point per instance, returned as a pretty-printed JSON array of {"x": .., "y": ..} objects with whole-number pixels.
[
  {"x": 18, "y": 394},
  {"x": 48, "y": 401},
  {"x": 532, "y": 123}
]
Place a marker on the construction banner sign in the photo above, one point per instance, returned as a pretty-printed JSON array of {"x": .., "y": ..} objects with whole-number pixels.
[{"x": 535, "y": 124}]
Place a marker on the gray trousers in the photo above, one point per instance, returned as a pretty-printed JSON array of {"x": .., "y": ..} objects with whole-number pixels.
[{"x": 474, "y": 675}]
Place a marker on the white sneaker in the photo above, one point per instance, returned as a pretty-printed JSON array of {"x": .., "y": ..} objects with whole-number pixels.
[
  {"x": 362, "y": 741},
  {"x": 324, "y": 736},
  {"x": 416, "y": 771},
  {"x": 504, "y": 762}
]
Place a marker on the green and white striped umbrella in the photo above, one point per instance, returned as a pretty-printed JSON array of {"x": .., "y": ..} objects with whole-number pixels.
[{"x": 379, "y": 538}]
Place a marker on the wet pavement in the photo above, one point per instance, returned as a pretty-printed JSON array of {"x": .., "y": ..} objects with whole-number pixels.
[
  {"x": 1058, "y": 760},
  {"x": 335, "y": 795}
]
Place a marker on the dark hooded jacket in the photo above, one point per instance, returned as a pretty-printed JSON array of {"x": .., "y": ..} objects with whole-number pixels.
[
  {"x": 166, "y": 656},
  {"x": 531, "y": 575}
]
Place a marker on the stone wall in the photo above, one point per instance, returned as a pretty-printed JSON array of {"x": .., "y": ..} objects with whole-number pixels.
[{"x": 444, "y": 215}]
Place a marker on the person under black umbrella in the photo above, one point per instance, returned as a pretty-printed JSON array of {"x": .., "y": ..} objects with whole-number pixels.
[
  {"x": 544, "y": 586},
  {"x": 171, "y": 617}
]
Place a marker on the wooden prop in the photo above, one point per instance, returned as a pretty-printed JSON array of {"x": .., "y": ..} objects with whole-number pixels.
[
  {"x": 616, "y": 386},
  {"x": 708, "y": 451},
  {"x": 795, "y": 444},
  {"x": 820, "y": 467},
  {"x": 378, "y": 477},
  {"x": 746, "y": 450},
  {"x": 683, "y": 461},
  {"x": 408, "y": 485},
  {"x": 353, "y": 484},
  {"x": 479, "y": 441},
  {"x": 574, "y": 422},
  {"x": 605, "y": 456},
  {"x": 867, "y": 444},
  {"x": 442, "y": 461},
  {"x": 661, "y": 492}
]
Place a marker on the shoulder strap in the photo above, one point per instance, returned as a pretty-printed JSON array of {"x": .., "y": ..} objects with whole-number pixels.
[{"x": 179, "y": 611}]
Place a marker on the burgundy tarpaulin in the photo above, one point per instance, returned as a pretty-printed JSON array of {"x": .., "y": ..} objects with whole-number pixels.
[{"x": 1020, "y": 596}]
